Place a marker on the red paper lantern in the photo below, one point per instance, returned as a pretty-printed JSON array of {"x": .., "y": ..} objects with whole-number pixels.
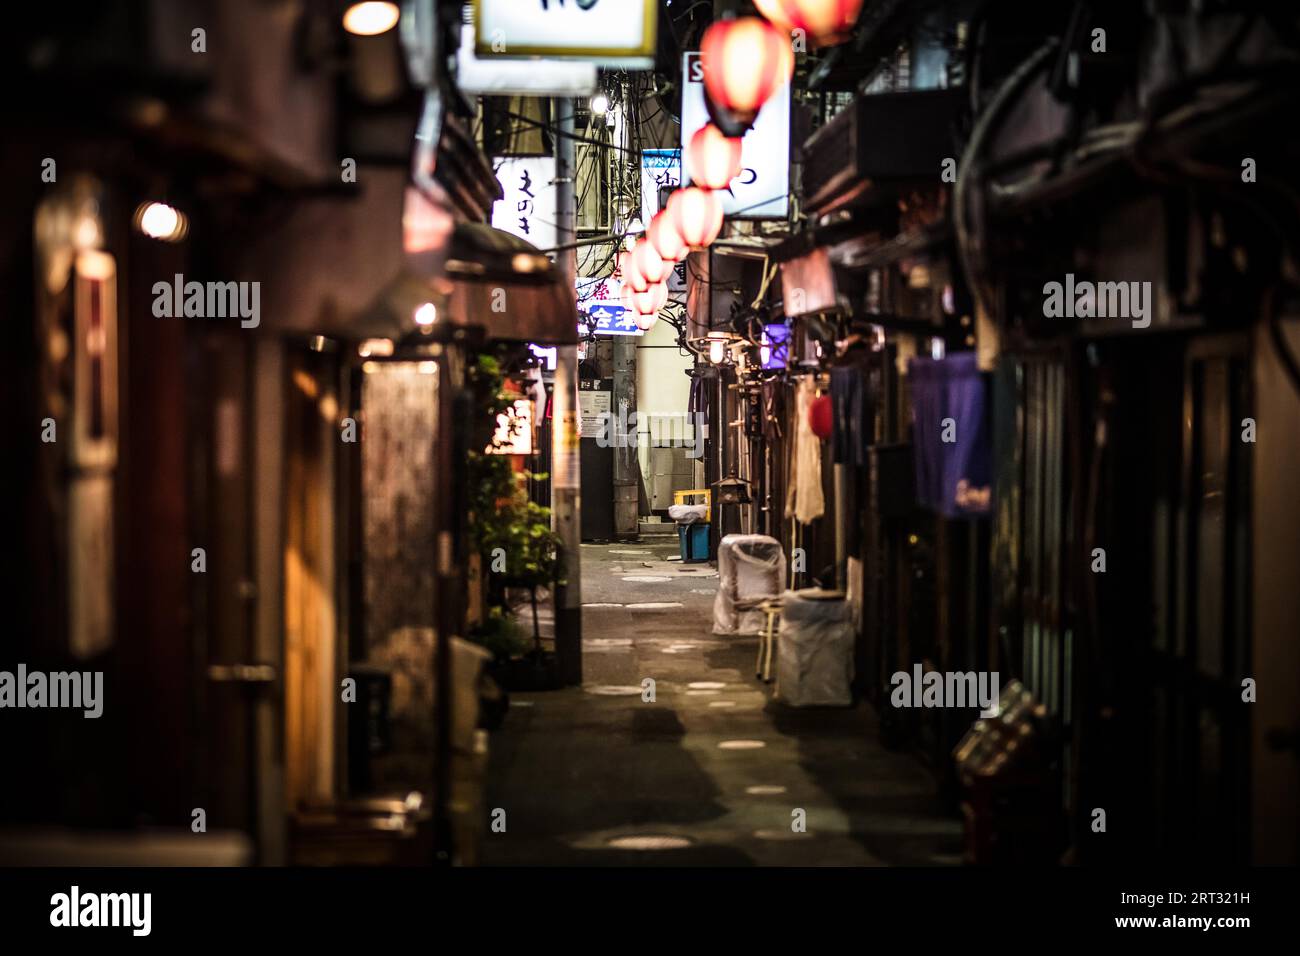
[
  {"x": 696, "y": 215},
  {"x": 647, "y": 261},
  {"x": 712, "y": 159},
  {"x": 650, "y": 301},
  {"x": 825, "y": 21},
  {"x": 664, "y": 237},
  {"x": 630, "y": 273},
  {"x": 745, "y": 61},
  {"x": 819, "y": 417},
  {"x": 645, "y": 322}
]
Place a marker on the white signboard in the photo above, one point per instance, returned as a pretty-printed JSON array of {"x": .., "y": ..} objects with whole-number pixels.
[
  {"x": 611, "y": 32},
  {"x": 659, "y": 167},
  {"x": 481, "y": 77},
  {"x": 528, "y": 207},
  {"x": 762, "y": 190}
]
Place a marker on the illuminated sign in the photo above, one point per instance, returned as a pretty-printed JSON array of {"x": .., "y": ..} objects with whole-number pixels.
[
  {"x": 527, "y": 208},
  {"x": 514, "y": 431},
  {"x": 610, "y": 32},
  {"x": 762, "y": 190},
  {"x": 479, "y": 77},
  {"x": 659, "y": 167}
]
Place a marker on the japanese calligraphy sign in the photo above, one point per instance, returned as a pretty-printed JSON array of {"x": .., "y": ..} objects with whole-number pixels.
[
  {"x": 610, "y": 32},
  {"x": 527, "y": 208},
  {"x": 762, "y": 190}
]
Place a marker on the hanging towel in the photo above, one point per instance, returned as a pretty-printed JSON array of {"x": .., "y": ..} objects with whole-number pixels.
[{"x": 805, "y": 502}]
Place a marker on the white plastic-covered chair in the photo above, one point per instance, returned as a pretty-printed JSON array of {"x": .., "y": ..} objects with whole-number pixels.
[
  {"x": 814, "y": 656},
  {"x": 751, "y": 567}
]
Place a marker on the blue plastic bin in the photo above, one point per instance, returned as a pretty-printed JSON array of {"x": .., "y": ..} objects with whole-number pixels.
[{"x": 694, "y": 539}]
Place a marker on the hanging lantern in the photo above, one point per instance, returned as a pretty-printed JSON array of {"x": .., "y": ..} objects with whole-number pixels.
[
  {"x": 650, "y": 301},
  {"x": 823, "y": 21},
  {"x": 631, "y": 274},
  {"x": 665, "y": 238},
  {"x": 646, "y": 322},
  {"x": 712, "y": 159},
  {"x": 696, "y": 215},
  {"x": 647, "y": 261},
  {"x": 745, "y": 61}
]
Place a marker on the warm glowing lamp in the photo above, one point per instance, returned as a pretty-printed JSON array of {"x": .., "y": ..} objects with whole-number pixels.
[
  {"x": 696, "y": 215},
  {"x": 664, "y": 237},
  {"x": 650, "y": 301},
  {"x": 824, "y": 21},
  {"x": 745, "y": 61},
  {"x": 371, "y": 18},
  {"x": 647, "y": 261},
  {"x": 712, "y": 158}
]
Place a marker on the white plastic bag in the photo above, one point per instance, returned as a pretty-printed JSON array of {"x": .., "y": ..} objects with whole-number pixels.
[
  {"x": 814, "y": 658},
  {"x": 750, "y": 567}
]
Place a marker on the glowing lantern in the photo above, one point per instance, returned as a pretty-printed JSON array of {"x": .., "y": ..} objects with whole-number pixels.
[
  {"x": 745, "y": 61},
  {"x": 631, "y": 273},
  {"x": 825, "y": 21},
  {"x": 645, "y": 322},
  {"x": 663, "y": 235},
  {"x": 647, "y": 261},
  {"x": 712, "y": 159},
  {"x": 696, "y": 215},
  {"x": 650, "y": 301}
]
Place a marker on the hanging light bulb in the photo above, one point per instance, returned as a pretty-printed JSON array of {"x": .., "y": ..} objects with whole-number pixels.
[
  {"x": 717, "y": 347},
  {"x": 697, "y": 215},
  {"x": 649, "y": 263},
  {"x": 745, "y": 61},
  {"x": 664, "y": 236},
  {"x": 823, "y": 21},
  {"x": 712, "y": 159},
  {"x": 652, "y": 300},
  {"x": 600, "y": 104}
]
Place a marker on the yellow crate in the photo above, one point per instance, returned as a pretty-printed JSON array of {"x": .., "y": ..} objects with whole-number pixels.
[{"x": 679, "y": 497}]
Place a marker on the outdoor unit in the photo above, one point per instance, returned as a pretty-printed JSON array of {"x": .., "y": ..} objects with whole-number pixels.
[{"x": 853, "y": 157}]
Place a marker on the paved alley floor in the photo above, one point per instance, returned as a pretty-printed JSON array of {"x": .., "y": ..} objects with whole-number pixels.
[{"x": 712, "y": 772}]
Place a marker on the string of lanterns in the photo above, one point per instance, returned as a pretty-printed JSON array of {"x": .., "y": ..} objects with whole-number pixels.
[{"x": 745, "y": 60}]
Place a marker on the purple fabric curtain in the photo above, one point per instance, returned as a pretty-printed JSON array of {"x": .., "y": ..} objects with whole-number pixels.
[{"x": 952, "y": 477}]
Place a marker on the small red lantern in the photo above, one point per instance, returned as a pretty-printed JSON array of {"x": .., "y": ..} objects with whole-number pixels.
[
  {"x": 650, "y": 301},
  {"x": 712, "y": 159},
  {"x": 819, "y": 417},
  {"x": 745, "y": 61},
  {"x": 696, "y": 214},
  {"x": 664, "y": 237},
  {"x": 825, "y": 21},
  {"x": 646, "y": 322},
  {"x": 647, "y": 261}
]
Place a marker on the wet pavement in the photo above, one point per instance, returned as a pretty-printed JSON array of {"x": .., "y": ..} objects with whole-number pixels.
[{"x": 712, "y": 771}]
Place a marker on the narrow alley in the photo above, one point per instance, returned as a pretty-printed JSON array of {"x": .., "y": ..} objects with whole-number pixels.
[{"x": 710, "y": 772}]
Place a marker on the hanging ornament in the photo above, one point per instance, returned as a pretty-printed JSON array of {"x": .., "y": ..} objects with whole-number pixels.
[
  {"x": 650, "y": 301},
  {"x": 712, "y": 159},
  {"x": 647, "y": 261},
  {"x": 696, "y": 215},
  {"x": 745, "y": 61},
  {"x": 663, "y": 235},
  {"x": 824, "y": 22}
]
